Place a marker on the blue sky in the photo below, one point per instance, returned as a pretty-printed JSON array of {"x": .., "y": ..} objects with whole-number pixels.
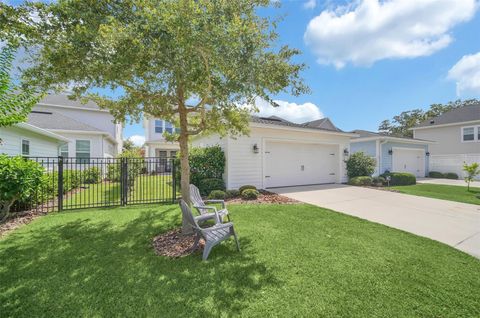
[{"x": 368, "y": 60}]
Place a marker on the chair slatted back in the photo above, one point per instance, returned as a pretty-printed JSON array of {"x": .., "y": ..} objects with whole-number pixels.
[
  {"x": 196, "y": 198},
  {"x": 187, "y": 214}
]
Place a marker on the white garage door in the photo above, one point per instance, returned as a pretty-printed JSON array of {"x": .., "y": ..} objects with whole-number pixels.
[
  {"x": 409, "y": 160},
  {"x": 289, "y": 164}
]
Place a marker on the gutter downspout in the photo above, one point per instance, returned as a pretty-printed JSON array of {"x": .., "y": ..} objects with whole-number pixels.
[{"x": 380, "y": 147}]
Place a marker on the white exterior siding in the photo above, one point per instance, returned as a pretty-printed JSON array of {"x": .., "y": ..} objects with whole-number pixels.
[
  {"x": 99, "y": 145},
  {"x": 246, "y": 167},
  {"x": 40, "y": 146}
]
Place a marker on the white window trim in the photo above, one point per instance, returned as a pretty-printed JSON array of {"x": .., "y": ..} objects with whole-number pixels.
[
  {"x": 89, "y": 150},
  {"x": 21, "y": 147},
  {"x": 475, "y": 134}
]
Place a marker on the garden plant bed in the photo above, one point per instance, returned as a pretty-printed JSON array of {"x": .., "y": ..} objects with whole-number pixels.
[
  {"x": 264, "y": 197},
  {"x": 20, "y": 219},
  {"x": 173, "y": 244}
]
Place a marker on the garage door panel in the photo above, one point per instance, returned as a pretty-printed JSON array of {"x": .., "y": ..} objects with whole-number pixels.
[
  {"x": 409, "y": 160},
  {"x": 290, "y": 164}
]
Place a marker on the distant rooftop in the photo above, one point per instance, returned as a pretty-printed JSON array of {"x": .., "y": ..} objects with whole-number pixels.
[
  {"x": 458, "y": 115},
  {"x": 321, "y": 124},
  {"x": 367, "y": 134},
  {"x": 64, "y": 100},
  {"x": 46, "y": 119}
]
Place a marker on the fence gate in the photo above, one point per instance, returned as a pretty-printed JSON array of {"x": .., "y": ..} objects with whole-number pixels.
[{"x": 75, "y": 183}]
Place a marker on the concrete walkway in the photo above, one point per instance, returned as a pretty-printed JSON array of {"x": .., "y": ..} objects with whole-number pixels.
[
  {"x": 452, "y": 223},
  {"x": 460, "y": 182}
]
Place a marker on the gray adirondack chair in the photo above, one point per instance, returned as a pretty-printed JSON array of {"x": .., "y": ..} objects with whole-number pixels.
[
  {"x": 203, "y": 209},
  {"x": 212, "y": 235}
]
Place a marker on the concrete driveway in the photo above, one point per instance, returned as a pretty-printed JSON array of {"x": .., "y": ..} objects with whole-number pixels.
[{"x": 452, "y": 223}]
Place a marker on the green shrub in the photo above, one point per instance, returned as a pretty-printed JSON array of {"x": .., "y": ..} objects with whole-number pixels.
[
  {"x": 360, "y": 181},
  {"x": 217, "y": 195},
  {"x": 451, "y": 175},
  {"x": 113, "y": 172},
  {"x": 378, "y": 181},
  {"x": 20, "y": 179},
  {"x": 435, "y": 174},
  {"x": 91, "y": 175},
  {"x": 250, "y": 194},
  {"x": 232, "y": 193},
  {"x": 400, "y": 178},
  {"x": 208, "y": 185},
  {"x": 359, "y": 164},
  {"x": 205, "y": 163},
  {"x": 135, "y": 166},
  {"x": 245, "y": 187}
]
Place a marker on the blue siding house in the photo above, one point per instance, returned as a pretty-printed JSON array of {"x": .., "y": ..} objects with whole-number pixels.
[{"x": 394, "y": 154}]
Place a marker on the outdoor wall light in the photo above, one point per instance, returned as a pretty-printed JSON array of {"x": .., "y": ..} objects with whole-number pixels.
[
  {"x": 346, "y": 152},
  {"x": 255, "y": 148},
  {"x": 390, "y": 152},
  {"x": 427, "y": 154}
]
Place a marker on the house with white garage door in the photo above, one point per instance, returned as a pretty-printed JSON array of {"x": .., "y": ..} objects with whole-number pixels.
[
  {"x": 394, "y": 154},
  {"x": 279, "y": 153}
]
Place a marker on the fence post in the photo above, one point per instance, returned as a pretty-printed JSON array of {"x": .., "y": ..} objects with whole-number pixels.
[
  {"x": 174, "y": 181},
  {"x": 124, "y": 181},
  {"x": 60, "y": 183}
]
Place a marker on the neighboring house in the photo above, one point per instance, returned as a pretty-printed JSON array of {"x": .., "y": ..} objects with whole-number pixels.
[
  {"x": 393, "y": 154},
  {"x": 457, "y": 136},
  {"x": 30, "y": 141},
  {"x": 155, "y": 143},
  {"x": 92, "y": 132},
  {"x": 281, "y": 153}
]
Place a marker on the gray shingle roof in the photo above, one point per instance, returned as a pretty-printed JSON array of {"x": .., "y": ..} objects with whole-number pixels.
[
  {"x": 459, "y": 115},
  {"x": 275, "y": 120},
  {"x": 367, "y": 134},
  {"x": 63, "y": 100},
  {"x": 324, "y": 123},
  {"x": 48, "y": 119}
]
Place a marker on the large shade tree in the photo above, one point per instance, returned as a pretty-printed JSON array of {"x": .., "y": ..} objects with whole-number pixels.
[{"x": 193, "y": 62}]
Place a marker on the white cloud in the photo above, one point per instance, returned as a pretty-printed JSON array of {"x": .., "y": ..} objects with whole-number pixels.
[
  {"x": 467, "y": 74},
  {"x": 297, "y": 113},
  {"x": 310, "y": 4},
  {"x": 137, "y": 140},
  {"x": 371, "y": 30}
]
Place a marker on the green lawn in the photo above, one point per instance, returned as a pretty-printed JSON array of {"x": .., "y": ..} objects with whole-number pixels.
[
  {"x": 146, "y": 188},
  {"x": 444, "y": 192},
  {"x": 296, "y": 261}
]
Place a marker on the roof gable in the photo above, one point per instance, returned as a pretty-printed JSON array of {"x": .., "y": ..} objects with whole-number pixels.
[{"x": 458, "y": 115}]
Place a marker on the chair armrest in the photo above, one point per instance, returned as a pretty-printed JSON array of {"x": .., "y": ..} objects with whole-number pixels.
[
  {"x": 217, "y": 227},
  {"x": 216, "y": 201},
  {"x": 217, "y": 216}
]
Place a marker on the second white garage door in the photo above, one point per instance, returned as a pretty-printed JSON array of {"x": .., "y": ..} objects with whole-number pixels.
[
  {"x": 290, "y": 164},
  {"x": 409, "y": 160}
]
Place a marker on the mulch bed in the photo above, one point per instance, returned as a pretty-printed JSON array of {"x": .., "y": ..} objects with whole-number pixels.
[
  {"x": 173, "y": 244},
  {"x": 264, "y": 197},
  {"x": 19, "y": 220}
]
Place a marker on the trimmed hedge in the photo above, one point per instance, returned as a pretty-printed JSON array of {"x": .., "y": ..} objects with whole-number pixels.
[
  {"x": 208, "y": 185},
  {"x": 451, "y": 175},
  {"x": 217, "y": 195},
  {"x": 360, "y": 181},
  {"x": 435, "y": 174},
  {"x": 400, "y": 178},
  {"x": 250, "y": 194},
  {"x": 232, "y": 193},
  {"x": 246, "y": 187},
  {"x": 378, "y": 181}
]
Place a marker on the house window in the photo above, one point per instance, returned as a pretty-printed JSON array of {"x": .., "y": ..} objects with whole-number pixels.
[
  {"x": 83, "y": 150},
  {"x": 25, "y": 147},
  {"x": 159, "y": 126},
  {"x": 468, "y": 133},
  {"x": 169, "y": 127},
  {"x": 63, "y": 150}
]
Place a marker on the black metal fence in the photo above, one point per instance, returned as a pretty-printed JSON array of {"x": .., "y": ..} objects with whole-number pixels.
[{"x": 75, "y": 183}]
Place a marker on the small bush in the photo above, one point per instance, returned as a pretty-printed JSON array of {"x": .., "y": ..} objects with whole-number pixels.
[
  {"x": 250, "y": 194},
  {"x": 217, "y": 195},
  {"x": 378, "y": 181},
  {"x": 359, "y": 164},
  {"x": 400, "y": 178},
  {"x": 245, "y": 187},
  {"x": 208, "y": 185},
  {"x": 91, "y": 175},
  {"x": 451, "y": 175},
  {"x": 360, "y": 181},
  {"x": 435, "y": 174},
  {"x": 232, "y": 193}
]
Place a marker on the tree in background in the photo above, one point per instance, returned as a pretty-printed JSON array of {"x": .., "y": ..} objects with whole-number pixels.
[
  {"x": 191, "y": 62},
  {"x": 15, "y": 102},
  {"x": 400, "y": 125},
  {"x": 472, "y": 171}
]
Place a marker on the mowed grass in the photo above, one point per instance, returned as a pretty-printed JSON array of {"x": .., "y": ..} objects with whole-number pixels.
[
  {"x": 444, "y": 192},
  {"x": 146, "y": 188},
  {"x": 296, "y": 261}
]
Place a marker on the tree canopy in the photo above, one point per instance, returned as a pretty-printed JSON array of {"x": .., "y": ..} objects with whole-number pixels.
[{"x": 400, "y": 124}]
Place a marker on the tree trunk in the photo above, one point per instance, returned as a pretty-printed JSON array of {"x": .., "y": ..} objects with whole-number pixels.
[
  {"x": 5, "y": 209},
  {"x": 184, "y": 164}
]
